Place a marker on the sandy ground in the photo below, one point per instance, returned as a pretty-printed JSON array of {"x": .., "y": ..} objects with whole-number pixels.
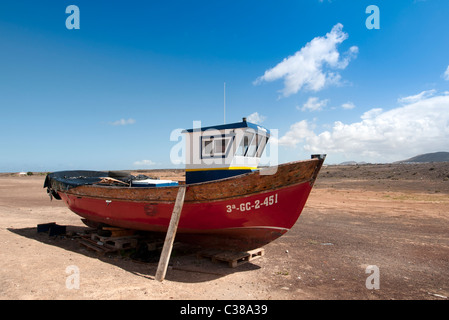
[{"x": 392, "y": 217}]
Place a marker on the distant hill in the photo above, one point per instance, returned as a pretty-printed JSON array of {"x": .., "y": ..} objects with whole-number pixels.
[{"x": 429, "y": 157}]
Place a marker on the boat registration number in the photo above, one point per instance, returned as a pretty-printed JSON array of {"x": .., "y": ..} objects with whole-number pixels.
[{"x": 250, "y": 205}]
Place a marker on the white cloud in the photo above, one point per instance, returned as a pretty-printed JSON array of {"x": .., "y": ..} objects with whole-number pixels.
[
  {"x": 417, "y": 97},
  {"x": 348, "y": 105},
  {"x": 299, "y": 132},
  {"x": 123, "y": 122},
  {"x": 371, "y": 114},
  {"x": 144, "y": 163},
  {"x": 310, "y": 67},
  {"x": 314, "y": 104},
  {"x": 256, "y": 118},
  {"x": 446, "y": 74},
  {"x": 380, "y": 136}
]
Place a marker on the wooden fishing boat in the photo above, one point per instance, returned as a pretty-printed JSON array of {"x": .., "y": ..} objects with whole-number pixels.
[{"x": 241, "y": 211}]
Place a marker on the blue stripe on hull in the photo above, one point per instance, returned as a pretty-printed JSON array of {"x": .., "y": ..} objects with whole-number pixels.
[{"x": 210, "y": 175}]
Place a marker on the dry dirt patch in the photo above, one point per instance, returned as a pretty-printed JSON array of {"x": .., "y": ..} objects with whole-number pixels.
[{"x": 355, "y": 217}]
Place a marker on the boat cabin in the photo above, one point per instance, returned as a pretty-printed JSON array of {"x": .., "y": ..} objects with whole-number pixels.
[{"x": 223, "y": 151}]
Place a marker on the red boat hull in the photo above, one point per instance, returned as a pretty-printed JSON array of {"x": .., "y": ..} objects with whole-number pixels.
[
  {"x": 247, "y": 223},
  {"x": 239, "y": 213}
]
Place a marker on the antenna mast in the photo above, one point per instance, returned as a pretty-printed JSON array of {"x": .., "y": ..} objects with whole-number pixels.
[{"x": 224, "y": 103}]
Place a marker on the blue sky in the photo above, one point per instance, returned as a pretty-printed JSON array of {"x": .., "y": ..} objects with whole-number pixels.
[{"x": 109, "y": 94}]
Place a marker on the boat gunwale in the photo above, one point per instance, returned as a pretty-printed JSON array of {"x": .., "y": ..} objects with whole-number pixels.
[
  {"x": 187, "y": 200},
  {"x": 201, "y": 183},
  {"x": 310, "y": 177}
]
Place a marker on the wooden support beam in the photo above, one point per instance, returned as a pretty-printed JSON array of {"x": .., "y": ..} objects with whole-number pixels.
[{"x": 171, "y": 234}]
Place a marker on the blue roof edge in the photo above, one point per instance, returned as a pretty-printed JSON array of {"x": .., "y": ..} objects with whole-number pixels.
[{"x": 235, "y": 125}]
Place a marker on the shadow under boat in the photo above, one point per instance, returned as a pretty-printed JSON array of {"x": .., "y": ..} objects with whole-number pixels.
[{"x": 185, "y": 265}]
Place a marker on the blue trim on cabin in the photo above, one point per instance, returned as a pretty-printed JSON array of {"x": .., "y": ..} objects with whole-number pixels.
[
  {"x": 236, "y": 125},
  {"x": 210, "y": 175}
]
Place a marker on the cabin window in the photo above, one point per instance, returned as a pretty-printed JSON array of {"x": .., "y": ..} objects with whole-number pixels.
[
  {"x": 215, "y": 146},
  {"x": 207, "y": 147},
  {"x": 244, "y": 145},
  {"x": 252, "y": 145},
  {"x": 251, "y": 152},
  {"x": 261, "y": 145}
]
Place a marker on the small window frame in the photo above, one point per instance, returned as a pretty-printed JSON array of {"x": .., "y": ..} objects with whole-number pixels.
[
  {"x": 255, "y": 145},
  {"x": 242, "y": 148},
  {"x": 261, "y": 145},
  {"x": 214, "y": 139}
]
